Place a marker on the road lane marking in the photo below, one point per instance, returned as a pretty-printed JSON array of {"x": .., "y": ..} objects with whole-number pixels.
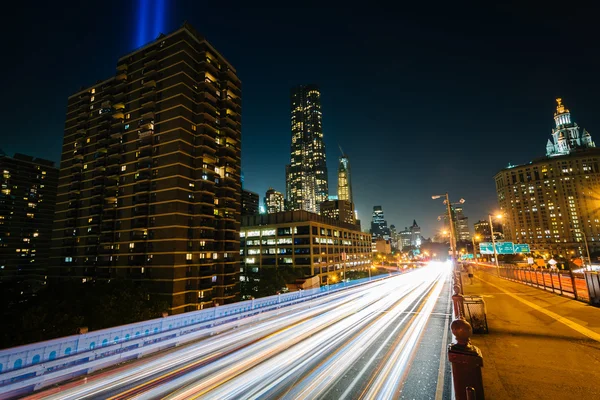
[
  {"x": 571, "y": 324},
  {"x": 439, "y": 390}
]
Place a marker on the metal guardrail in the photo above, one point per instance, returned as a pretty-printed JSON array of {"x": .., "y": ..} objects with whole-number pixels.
[
  {"x": 565, "y": 283},
  {"x": 41, "y": 364}
]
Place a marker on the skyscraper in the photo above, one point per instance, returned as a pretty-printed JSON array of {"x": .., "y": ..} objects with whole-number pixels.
[
  {"x": 379, "y": 227},
  {"x": 274, "y": 201},
  {"x": 306, "y": 175},
  {"x": 461, "y": 225},
  {"x": 149, "y": 186},
  {"x": 344, "y": 180},
  {"x": 27, "y": 203}
]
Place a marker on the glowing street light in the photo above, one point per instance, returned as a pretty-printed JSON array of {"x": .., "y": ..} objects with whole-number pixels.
[
  {"x": 450, "y": 222},
  {"x": 498, "y": 216},
  {"x": 474, "y": 249}
]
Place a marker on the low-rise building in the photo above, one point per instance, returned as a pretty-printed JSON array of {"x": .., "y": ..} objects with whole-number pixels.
[{"x": 307, "y": 242}]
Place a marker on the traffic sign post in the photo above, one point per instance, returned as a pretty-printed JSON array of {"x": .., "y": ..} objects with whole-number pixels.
[
  {"x": 505, "y": 248},
  {"x": 486, "y": 248},
  {"x": 522, "y": 248}
]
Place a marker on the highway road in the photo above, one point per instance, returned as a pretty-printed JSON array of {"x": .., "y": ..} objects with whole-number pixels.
[{"x": 385, "y": 339}]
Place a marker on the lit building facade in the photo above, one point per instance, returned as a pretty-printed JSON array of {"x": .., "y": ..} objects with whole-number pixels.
[
  {"x": 306, "y": 175},
  {"x": 340, "y": 210},
  {"x": 302, "y": 240},
  {"x": 344, "y": 180},
  {"x": 149, "y": 187},
  {"x": 552, "y": 203},
  {"x": 462, "y": 225},
  {"x": 482, "y": 229},
  {"x": 250, "y": 202},
  {"x": 405, "y": 239},
  {"x": 566, "y": 136},
  {"x": 415, "y": 234},
  {"x": 27, "y": 202},
  {"x": 379, "y": 227},
  {"x": 274, "y": 201}
]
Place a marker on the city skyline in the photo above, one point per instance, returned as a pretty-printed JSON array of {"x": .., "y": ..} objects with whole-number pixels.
[{"x": 524, "y": 87}]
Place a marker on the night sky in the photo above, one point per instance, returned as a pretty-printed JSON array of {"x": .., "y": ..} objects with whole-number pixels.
[{"x": 423, "y": 101}]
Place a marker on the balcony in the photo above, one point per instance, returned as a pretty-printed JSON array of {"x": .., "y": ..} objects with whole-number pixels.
[
  {"x": 96, "y": 210},
  {"x": 97, "y": 191},
  {"x": 112, "y": 170},
  {"x": 114, "y": 150},
  {"x": 145, "y": 134},
  {"x": 146, "y": 152},
  {"x": 140, "y": 234},
  {"x": 141, "y": 210},
  {"x": 142, "y": 186},
  {"x": 71, "y": 214},
  {"x": 147, "y": 91},
  {"x": 139, "y": 223}
]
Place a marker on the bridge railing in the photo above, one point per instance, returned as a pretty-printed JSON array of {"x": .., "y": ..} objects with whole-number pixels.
[{"x": 105, "y": 347}]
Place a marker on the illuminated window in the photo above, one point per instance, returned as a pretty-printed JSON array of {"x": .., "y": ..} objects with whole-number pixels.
[
  {"x": 93, "y": 91},
  {"x": 128, "y": 116},
  {"x": 30, "y": 215},
  {"x": 84, "y": 166},
  {"x": 131, "y": 245},
  {"x": 193, "y": 127},
  {"x": 123, "y": 167},
  {"x": 188, "y": 256},
  {"x": 36, "y": 234}
]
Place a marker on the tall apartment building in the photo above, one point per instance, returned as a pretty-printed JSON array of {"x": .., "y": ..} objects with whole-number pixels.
[
  {"x": 306, "y": 175},
  {"x": 250, "y": 202},
  {"x": 552, "y": 202},
  {"x": 27, "y": 202},
  {"x": 149, "y": 186},
  {"x": 274, "y": 201}
]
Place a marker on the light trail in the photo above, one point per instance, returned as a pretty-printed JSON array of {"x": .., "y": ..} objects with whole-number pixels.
[{"x": 356, "y": 343}]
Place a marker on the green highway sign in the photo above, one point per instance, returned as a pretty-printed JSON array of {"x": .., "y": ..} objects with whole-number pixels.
[
  {"x": 469, "y": 255},
  {"x": 505, "y": 248},
  {"x": 486, "y": 248},
  {"x": 522, "y": 248}
]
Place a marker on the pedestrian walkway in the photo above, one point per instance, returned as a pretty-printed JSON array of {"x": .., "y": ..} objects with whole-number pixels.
[{"x": 540, "y": 345}]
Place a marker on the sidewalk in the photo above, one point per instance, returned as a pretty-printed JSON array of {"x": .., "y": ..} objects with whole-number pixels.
[{"x": 529, "y": 353}]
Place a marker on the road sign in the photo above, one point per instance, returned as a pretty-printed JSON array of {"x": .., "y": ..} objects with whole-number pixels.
[
  {"x": 504, "y": 248},
  {"x": 469, "y": 255},
  {"x": 486, "y": 248},
  {"x": 522, "y": 248}
]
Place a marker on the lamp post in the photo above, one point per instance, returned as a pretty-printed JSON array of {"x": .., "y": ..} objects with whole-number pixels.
[
  {"x": 474, "y": 249},
  {"x": 450, "y": 222},
  {"x": 494, "y": 241},
  {"x": 587, "y": 249}
]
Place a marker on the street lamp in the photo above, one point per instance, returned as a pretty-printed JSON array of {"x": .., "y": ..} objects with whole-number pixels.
[
  {"x": 474, "y": 249},
  {"x": 450, "y": 222},
  {"x": 499, "y": 216}
]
